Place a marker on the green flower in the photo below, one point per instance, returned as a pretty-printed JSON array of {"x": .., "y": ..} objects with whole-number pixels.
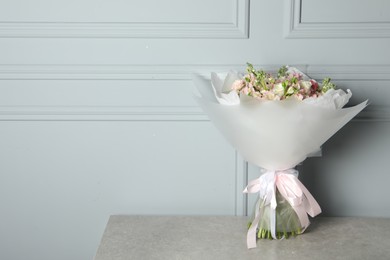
[{"x": 327, "y": 85}]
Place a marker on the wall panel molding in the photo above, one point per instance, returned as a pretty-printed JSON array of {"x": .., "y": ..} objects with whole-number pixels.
[
  {"x": 176, "y": 72},
  {"x": 237, "y": 28},
  {"x": 159, "y": 73},
  {"x": 101, "y": 113},
  {"x": 241, "y": 200},
  {"x": 296, "y": 29},
  {"x": 105, "y": 72},
  {"x": 350, "y": 72}
]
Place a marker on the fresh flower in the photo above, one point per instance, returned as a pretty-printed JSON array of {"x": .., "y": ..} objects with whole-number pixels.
[{"x": 289, "y": 83}]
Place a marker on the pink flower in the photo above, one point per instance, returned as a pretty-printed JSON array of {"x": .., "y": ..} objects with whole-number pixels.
[
  {"x": 245, "y": 90},
  {"x": 238, "y": 85},
  {"x": 299, "y": 96},
  {"x": 314, "y": 85}
]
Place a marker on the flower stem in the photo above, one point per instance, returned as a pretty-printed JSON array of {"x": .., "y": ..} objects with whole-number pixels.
[{"x": 287, "y": 221}]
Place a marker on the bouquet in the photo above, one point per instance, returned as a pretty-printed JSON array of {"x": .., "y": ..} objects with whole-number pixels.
[{"x": 275, "y": 122}]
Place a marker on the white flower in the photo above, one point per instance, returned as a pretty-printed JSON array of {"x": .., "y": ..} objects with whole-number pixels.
[
  {"x": 279, "y": 90},
  {"x": 306, "y": 85},
  {"x": 290, "y": 90}
]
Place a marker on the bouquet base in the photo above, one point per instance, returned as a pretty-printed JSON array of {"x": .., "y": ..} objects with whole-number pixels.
[
  {"x": 282, "y": 208},
  {"x": 287, "y": 221}
]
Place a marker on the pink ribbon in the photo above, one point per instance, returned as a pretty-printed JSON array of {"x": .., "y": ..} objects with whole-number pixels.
[{"x": 291, "y": 189}]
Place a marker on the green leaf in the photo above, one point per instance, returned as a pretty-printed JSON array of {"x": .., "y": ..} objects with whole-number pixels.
[{"x": 282, "y": 72}]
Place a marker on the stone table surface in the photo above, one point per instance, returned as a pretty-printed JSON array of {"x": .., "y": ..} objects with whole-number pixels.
[{"x": 220, "y": 237}]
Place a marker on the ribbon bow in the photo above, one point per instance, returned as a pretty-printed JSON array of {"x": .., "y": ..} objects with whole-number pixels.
[{"x": 291, "y": 189}]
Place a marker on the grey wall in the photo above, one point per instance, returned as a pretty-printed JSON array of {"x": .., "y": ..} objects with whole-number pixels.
[{"x": 97, "y": 115}]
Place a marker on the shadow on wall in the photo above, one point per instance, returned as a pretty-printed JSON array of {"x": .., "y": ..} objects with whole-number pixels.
[{"x": 350, "y": 179}]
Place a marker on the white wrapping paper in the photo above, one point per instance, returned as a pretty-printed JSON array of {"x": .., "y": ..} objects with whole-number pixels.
[{"x": 275, "y": 135}]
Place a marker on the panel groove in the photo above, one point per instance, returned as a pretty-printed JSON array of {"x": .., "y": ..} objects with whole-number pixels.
[
  {"x": 173, "y": 72},
  {"x": 101, "y": 113}
]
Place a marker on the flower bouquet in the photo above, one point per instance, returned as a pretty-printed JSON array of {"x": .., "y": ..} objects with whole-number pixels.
[{"x": 275, "y": 122}]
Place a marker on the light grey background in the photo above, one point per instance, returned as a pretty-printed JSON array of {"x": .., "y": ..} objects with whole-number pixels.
[{"x": 97, "y": 116}]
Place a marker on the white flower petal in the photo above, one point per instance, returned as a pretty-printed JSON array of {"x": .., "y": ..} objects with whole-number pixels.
[
  {"x": 231, "y": 77},
  {"x": 230, "y": 98},
  {"x": 333, "y": 99}
]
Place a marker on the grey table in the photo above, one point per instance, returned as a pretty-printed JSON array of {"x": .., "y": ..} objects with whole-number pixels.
[{"x": 201, "y": 237}]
